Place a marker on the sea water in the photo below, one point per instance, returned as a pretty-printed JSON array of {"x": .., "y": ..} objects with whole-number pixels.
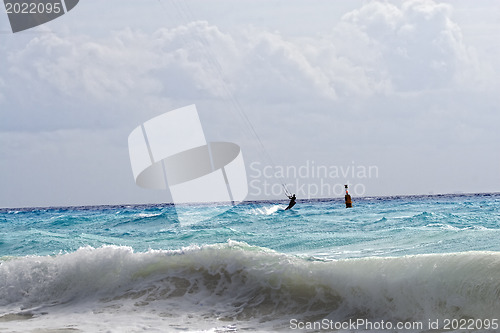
[{"x": 394, "y": 264}]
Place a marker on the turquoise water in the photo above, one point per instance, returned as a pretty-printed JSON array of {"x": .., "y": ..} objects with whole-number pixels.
[
  {"x": 255, "y": 267},
  {"x": 375, "y": 227}
]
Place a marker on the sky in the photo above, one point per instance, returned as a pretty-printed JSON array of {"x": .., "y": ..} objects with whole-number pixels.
[{"x": 390, "y": 97}]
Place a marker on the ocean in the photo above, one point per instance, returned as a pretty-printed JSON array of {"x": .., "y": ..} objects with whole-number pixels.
[{"x": 389, "y": 264}]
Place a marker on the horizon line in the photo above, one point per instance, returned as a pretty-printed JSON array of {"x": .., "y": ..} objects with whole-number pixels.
[{"x": 132, "y": 205}]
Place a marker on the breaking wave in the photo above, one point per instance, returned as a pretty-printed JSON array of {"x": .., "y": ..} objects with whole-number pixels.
[{"x": 234, "y": 281}]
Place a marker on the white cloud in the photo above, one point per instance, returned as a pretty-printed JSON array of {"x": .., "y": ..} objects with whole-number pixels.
[
  {"x": 76, "y": 65},
  {"x": 187, "y": 62},
  {"x": 287, "y": 64},
  {"x": 380, "y": 49},
  {"x": 377, "y": 49},
  {"x": 416, "y": 42}
]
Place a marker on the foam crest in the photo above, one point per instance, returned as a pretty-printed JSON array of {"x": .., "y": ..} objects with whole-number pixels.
[{"x": 268, "y": 210}]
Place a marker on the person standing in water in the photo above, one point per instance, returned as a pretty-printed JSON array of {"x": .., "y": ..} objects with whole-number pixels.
[{"x": 292, "y": 201}]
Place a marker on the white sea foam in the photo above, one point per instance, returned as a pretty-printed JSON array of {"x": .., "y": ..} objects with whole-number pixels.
[
  {"x": 148, "y": 214},
  {"x": 235, "y": 286},
  {"x": 268, "y": 210}
]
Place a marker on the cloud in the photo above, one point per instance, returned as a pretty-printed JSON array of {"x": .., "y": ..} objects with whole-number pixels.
[
  {"x": 284, "y": 67},
  {"x": 379, "y": 48},
  {"x": 376, "y": 62},
  {"x": 76, "y": 65},
  {"x": 416, "y": 42},
  {"x": 382, "y": 49},
  {"x": 127, "y": 70},
  {"x": 78, "y": 81}
]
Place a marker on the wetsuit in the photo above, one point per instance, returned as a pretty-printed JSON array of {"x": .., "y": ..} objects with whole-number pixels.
[{"x": 292, "y": 202}]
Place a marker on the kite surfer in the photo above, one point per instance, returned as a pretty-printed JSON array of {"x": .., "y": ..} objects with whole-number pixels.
[{"x": 292, "y": 201}]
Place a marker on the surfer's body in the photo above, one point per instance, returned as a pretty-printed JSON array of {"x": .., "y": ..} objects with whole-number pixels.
[{"x": 292, "y": 201}]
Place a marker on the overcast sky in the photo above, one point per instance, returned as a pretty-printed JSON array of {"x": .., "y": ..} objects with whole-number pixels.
[{"x": 409, "y": 90}]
